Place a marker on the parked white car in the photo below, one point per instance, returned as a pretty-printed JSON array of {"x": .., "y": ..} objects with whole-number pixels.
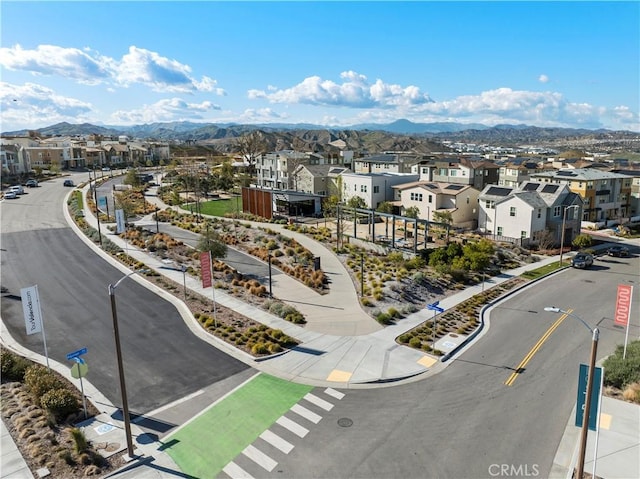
[{"x": 19, "y": 190}]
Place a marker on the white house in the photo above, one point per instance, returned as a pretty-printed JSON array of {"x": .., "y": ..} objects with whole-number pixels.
[
  {"x": 524, "y": 212},
  {"x": 373, "y": 188},
  {"x": 459, "y": 200}
]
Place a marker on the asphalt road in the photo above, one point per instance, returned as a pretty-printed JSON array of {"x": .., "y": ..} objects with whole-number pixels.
[
  {"x": 163, "y": 360},
  {"x": 459, "y": 423}
]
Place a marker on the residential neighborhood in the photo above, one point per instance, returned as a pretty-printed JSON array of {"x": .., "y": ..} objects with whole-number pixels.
[{"x": 516, "y": 195}]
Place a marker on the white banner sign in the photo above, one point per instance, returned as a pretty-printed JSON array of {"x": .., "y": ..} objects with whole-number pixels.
[
  {"x": 120, "y": 226},
  {"x": 31, "y": 308}
]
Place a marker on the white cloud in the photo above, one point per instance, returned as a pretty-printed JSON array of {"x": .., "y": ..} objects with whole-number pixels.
[
  {"x": 53, "y": 60},
  {"x": 543, "y": 78},
  {"x": 31, "y": 105},
  {"x": 261, "y": 115},
  {"x": 138, "y": 66},
  {"x": 171, "y": 109},
  {"x": 354, "y": 92}
]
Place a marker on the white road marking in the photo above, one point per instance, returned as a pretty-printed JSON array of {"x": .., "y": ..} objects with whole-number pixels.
[
  {"x": 305, "y": 413},
  {"x": 333, "y": 393},
  {"x": 259, "y": 458},
  {"x": 326, "y": 405},
  {"x": 236, "y": 472},
  {"x": 276, "y": 441},
  {"x": 292, "y": 426}
]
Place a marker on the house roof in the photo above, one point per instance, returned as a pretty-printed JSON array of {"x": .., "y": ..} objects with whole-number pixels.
[
  {"x": 434, "y": 187},
  {"x": 579, "y": 174}
]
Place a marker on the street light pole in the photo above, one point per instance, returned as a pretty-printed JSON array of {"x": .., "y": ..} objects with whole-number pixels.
[
  {"x": 564, "y": 219},
  {"x": 270, "y": 290},
  {"x": 123, "y": 387},
  {"x": 595, "y": 333}
]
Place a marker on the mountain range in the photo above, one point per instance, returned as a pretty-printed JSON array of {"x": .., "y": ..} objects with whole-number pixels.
[{"x": 401, "y": 135}]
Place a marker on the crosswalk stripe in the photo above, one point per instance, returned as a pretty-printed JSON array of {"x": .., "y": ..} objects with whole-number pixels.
[
  {"x": 333, "y": 393},
  {"x": 326, "y": 405},
  {"x": 305, "y": 413},
  {"x": 259, "y": 458},
  {"x": 292, "y": 426},
  {"x": 276, "y": 441},
  {"x": 236, "y": 472}
]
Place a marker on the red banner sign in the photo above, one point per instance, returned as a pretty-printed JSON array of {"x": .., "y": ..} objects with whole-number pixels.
[
  {"x": 623, "y": 305},
  {"x": 205, "y": 269}
]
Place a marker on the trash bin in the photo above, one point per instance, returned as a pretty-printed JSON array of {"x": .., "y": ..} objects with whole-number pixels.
[{"x": 316, "y": 263}]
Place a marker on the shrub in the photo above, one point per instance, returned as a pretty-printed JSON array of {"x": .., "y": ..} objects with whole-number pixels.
[
  {"x": 80, "y": 443},
  {"x": 39, "y": 380},
  {"x": 13, "y": 366},
  {"x": 405, "y": 338},
  {"x": 619, "y": 372},
  {"x": 384, "y": 318},
  {"x": 415, "y": 342},
  {"x": 260, "y": 348},
  {"x": 59, "y": 402}
]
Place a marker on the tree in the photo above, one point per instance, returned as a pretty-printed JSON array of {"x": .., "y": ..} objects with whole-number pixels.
[
  {"x": 412, "y": 212},
  {"x": 251, "y": 146},
  {"x": 545, "y": 239},
  {"x": 356, "y": 202},
  {"x": 211, "y": 241},
  {"x": 385, "y": 207},
  {"x": 443, "y": 217},
  {"x": 132, "y": 178}
]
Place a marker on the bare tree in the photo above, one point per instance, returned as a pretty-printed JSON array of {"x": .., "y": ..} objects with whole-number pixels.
[
  {"x": 545, "y": 239},
  {"x": 251, "y": 146}
]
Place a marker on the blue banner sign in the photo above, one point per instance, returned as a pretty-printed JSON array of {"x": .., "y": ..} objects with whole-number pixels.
[{"x": 582, "y": 396}]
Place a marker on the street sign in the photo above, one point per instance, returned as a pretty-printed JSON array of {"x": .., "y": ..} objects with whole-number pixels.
[
  {"x": 434, "y": 307},
  {"x": 77, "y": 353},
  {"x": 582, "y": 396}
]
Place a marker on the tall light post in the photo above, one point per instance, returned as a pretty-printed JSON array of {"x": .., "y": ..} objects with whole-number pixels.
[
  {"x": 564, "y": 219},
  {"x": 123, "y": 387},
  {"x": 587, "y": 401}
]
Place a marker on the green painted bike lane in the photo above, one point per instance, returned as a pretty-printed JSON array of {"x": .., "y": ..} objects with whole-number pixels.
[{"x": 210, "y": 441}]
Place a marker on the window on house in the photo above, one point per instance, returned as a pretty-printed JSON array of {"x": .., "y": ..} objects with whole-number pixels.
[
  {"x": 376, "y": 189},
  {"x": 499, "y": 230},
  {"x": 453, "y": 172},
  {"x": 430, "y": 198},
  {"x": 355, "y": 187},
  {"x": 363, "y": 188},
  {"x": 523, "y": 234},
  {"x": 468, "y": 199},
  {"x": 539, "y": 213},
  {"x": 512, "y": 211},
  {"x": 557, "y": 211},
  {"x": 489, "y": 204},
  {"x": 442, "y": 172},
  {"x": 416, "y": 196}
]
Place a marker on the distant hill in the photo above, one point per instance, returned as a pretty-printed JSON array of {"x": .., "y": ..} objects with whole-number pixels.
[{"x": 401, "y": 135}]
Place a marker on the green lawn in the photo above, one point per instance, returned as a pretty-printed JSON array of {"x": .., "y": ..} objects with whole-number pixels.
[
  {"x": 538, "y": 272},
  {"x": 208, "y": 443},
  {"x": 216, "y": 207}
]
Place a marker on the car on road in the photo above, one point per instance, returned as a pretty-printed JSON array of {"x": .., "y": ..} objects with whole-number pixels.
[
  {"x": 19, "y": 190},
  {"x": 619, "y": 251},
  {"x": 106, "y": 168},
  {"x": 31, "y": 183},
  {"x": 582, "y": 260},
  {"x": 68, "y": 183},
  {"x": 10, "y": 195}
]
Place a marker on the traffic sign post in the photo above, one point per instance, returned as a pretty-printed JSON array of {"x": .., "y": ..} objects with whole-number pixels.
[
  {"x": 436, "y": 309},
  {"x": 78, "y": 371}
]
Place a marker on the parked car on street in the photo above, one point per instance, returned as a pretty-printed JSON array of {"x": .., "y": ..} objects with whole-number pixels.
[
  {"x": 582, "y": 260},
  {"x": 31, "y": 183},
  {"x": 619, "y": 251},
  {"x": 19, "y": 190},
  {"x": 68, "y": 183},
  {"x": 10, "y": 195}
]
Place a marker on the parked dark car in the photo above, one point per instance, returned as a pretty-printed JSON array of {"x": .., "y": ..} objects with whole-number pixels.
[
  {"x": 619, "y": 251},
  {"x": 68, "y": 183},
  {"x": 582, "y": 260},
  {"x": 31, "y": 183}
]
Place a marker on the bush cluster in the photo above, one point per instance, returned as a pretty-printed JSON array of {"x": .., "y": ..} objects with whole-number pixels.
[{"x": 621, "y": 373}]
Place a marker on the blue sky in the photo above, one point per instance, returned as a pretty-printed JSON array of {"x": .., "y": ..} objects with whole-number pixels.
[{"x": 567, "y": 64}]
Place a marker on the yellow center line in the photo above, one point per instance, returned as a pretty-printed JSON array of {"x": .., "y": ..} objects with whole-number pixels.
[{"x": 535, "y": 348}]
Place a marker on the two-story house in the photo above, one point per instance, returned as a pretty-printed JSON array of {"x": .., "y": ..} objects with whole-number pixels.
[
  {"x": 386, "y": 163},
  {"x": 275, "y": 170},
  {"x": 476, "y": 172},
  {"x": 606, "y": 195},
  {"x": 526, "y": 211},
  {"x": 373, "y": 188},
  {"x": 430, "y": 197},
  {"x": 517, "y": 170},
  {"x": 318, "y": 179}
]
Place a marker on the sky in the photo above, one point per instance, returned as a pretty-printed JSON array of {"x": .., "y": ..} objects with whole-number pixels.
[{"x": 548, "y": 64}]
